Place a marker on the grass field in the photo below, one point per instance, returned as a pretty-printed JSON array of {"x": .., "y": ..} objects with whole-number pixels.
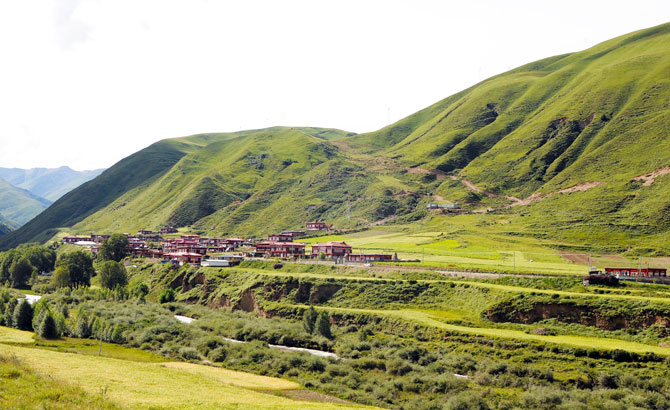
[
  {"x": 468, "y": 247},
  {"x": 146, "y": 385}
]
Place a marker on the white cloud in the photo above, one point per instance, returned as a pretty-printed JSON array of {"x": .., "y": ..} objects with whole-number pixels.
[{"x": 85, "y": 83}]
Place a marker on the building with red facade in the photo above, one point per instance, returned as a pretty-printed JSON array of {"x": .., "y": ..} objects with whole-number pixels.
[
  {"x": 372, "y": 257},
  {"x": 280, "y": 237},
  {"x": 280, "y": 249},
  {"x": 183, "y": 257},
  {"x": 635, "y": 272},
  {"x": 316, "y": 226},
  {"x": 331, "y": 249}
]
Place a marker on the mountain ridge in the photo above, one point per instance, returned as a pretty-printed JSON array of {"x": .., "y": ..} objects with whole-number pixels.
[
  {"x": 48, "y": 183},
  {"x": 525, "y": 139}
]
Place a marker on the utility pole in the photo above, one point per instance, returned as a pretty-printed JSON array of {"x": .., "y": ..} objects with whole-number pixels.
[{"x": 348, "y": 210}]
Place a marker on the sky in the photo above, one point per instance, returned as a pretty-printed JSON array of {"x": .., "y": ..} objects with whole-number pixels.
[{"x": 85, "y": 83}]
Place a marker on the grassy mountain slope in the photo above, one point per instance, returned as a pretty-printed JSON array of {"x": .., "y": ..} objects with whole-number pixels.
[
  {"x": 563, "y": 137},
  {"x": 18, "y": 206},
  {"x": 601, "y": 115},
  {"x": 266, "y": 180},
  {"x": 48, "y": 183}
]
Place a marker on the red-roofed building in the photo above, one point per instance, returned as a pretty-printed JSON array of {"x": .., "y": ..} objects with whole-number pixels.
[
  {"x": 280, "y": 237},
  {"x": 644, "y": 272},
  {"x": 183, "y": 257},
  {"x": 372, "y": 257},
  {"x": 75, "y": 239},
  {"x": 316, "y": 226},
  {"x": 331, "y": 249},
  {"x": 280, "y": 249}
]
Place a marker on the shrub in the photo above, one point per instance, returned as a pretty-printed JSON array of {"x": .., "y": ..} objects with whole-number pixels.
[
  {"x": 218, "y": 354},
  {"x": 398, "y": 367},
  {"x": 189, "y": 353},
  {"x": 316, "y": 365},
  {"x": 309, "y": 319},
  {"x": 112, "y": 274},
  {"x": 23, "y": 316},
  {"x": 166, "y": 296},
  {"x": 467, "y": 400},
  {"x": 47, "y": 328},
  {"x": 323, "y": 325}
]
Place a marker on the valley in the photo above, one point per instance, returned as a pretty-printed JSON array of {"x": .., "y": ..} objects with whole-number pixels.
[{"x": 503, "y": 248}]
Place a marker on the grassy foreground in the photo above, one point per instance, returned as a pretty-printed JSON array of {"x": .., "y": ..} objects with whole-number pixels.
[{"x": 153, "y": 385}]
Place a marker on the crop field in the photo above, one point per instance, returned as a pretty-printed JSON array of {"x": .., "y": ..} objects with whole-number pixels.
[
  {"x": 480, "y": 242},
  {"x": 160, "y": 385}
]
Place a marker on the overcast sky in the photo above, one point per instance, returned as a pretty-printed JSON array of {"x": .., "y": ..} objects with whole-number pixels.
[{"x": 85, "y": 83}]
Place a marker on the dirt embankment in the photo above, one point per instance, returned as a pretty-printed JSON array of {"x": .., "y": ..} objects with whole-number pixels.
[
  {"x": 649, "y": 178},
  {"x": 249, "y": 300},
  {"x": 584, "y": 315}
]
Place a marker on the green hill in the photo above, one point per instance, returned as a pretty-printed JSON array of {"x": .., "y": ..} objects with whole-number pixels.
[
  {"x": 18, "y": 206},
  {"x": 572, "y": 148},
  {"x": 48, "y": 183}
]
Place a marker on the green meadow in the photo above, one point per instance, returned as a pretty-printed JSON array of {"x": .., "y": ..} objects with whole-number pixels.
[{"x": 127, "y": 379}]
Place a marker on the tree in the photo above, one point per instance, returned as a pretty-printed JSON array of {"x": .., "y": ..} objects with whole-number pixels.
[
  {"x": 114, "y": 248},
  {"x": 61, "y": 277},
  {"x": 8, "y": 316},
  {"x": 80, "y": 265},
  {"x": 47, "y": 328},
  {"x": 43, "y": 259},
  {"x": 82, "y": 326},
  {"x": 309, "y": 319},
  {"x": 323, "y": 325},
  {"x": 6, "y": 261},
  {"x": 112, "y": 274},
  {"x": 20, "y": 271},
  {"x": 140, "y": 290},
  {"x": 167, "y": 296},
  {"x": 23, "y": 316}
]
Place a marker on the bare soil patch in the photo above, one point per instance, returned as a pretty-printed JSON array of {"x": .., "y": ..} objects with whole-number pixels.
[{"x": 651, "y": 177}]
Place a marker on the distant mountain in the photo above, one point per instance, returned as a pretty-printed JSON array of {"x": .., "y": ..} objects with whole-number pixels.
[
  {"x": 4, "y": 227},
  {"x": 573, "y": 147},
  {"x": 18, "y": 206},
  {"x": 48, "y": 183}
]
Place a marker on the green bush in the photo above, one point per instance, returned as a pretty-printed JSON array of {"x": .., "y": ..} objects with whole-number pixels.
[
  {"x": 112, "y": 274},
  {"x": 23, "y": 316},
  {"x": 167, "y": 296},
  {"x": 217, "y": 355}
]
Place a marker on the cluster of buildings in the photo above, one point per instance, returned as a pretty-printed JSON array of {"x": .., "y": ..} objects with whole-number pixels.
[{"x": 194, "y": 249}]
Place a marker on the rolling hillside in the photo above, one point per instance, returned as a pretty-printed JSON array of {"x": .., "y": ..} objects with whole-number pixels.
[
  {"x": 48, "y": 183},
  {"x": 18, "y": 206},
  {"x": 572, "y": 148}
]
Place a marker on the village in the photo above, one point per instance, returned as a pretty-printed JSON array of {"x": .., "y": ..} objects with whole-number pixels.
[
  {"x": 207, "y": 251},
  {"x": 203, "y": 251}
]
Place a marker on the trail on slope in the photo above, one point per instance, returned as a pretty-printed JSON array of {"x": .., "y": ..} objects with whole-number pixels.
[
  {"x": 582, "y": 186},
  {"x": 650, "y": 177}
]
